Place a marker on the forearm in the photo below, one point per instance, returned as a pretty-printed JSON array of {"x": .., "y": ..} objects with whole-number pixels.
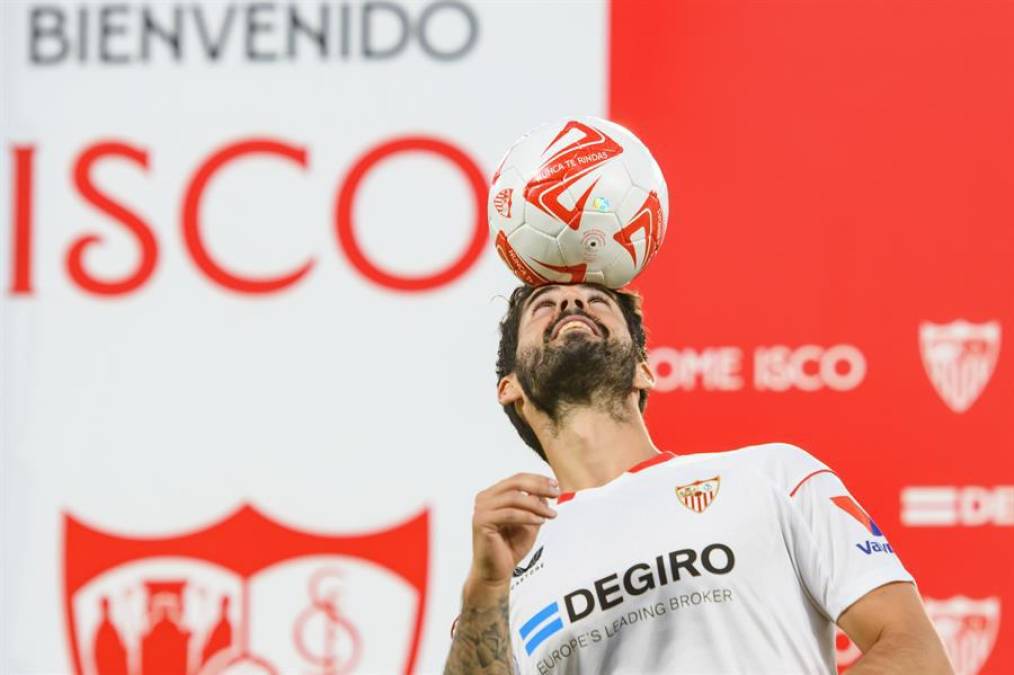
[
  {"x": 481, "y": 643},
  {"x": 901, "y": 654}
]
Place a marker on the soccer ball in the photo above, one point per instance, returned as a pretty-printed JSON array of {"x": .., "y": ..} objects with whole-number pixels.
[{"x": 580, "y": 200}]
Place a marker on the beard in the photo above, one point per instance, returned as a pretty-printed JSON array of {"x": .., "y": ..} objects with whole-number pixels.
[{"x": 578, "y": 371}]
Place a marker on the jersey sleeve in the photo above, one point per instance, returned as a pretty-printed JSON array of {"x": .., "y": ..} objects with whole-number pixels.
[{"x": 840, "y": 552}]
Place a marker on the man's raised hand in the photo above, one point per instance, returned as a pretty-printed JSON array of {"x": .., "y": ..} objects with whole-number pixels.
[{"x": 505, "y": 522}]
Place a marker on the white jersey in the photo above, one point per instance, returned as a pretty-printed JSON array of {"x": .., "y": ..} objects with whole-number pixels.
[{"x": 732, "y": 562}]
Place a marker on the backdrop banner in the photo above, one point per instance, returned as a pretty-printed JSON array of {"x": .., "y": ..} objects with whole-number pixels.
[
  {"x": 250, "y": 303},
  {"x": 837, "y": 270}
]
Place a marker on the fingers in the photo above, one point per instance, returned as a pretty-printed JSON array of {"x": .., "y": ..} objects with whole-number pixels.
[
  {"x": 511, "y": 516},
  {"x": 520, "y": 500},
  {"x": 531, "y": 483}
]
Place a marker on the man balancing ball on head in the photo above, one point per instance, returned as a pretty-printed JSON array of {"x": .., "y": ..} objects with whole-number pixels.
[{"x": 651, "y": 562}]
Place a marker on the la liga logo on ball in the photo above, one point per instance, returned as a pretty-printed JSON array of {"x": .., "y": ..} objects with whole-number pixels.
[{"x": 580, "y": 200}]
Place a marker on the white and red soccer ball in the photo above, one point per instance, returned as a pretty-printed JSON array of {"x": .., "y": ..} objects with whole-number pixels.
[{"x": 580, "y": 200}]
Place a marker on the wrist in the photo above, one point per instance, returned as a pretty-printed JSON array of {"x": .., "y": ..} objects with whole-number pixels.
[{"x": 480, "y": 593}]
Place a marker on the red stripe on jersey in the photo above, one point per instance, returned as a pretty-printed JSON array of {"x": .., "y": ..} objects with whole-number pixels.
[
  {"x": 652, "y": 461},
  {"x": 806, "y": 478},
  {"x": 657, "y": 459}
]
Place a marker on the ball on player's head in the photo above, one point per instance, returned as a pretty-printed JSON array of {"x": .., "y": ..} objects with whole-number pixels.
[{"x": 581, "y": 200}]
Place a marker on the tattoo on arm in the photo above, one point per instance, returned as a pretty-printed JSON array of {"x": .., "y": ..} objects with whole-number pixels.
[{"x": 481, "y": 643}]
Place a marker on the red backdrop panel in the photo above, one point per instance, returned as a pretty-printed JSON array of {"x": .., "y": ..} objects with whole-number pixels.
[{"x": 839, "y": 173}]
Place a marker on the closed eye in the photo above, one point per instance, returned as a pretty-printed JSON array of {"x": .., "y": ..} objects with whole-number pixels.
[{"x": 544, "y": 303}]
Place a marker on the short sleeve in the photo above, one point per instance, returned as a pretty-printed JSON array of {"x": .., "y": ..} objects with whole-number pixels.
[{"x": 839, "y": 550}]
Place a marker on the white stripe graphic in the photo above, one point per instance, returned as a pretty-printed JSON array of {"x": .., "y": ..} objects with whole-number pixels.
[{"x": 929, "y": 506}]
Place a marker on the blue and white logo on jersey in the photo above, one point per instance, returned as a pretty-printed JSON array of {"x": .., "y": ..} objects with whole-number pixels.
[{"x": 545, "y": 623}]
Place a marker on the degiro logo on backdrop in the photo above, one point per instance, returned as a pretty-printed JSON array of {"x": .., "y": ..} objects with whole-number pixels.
[
  {"x": 192, "y": 225},
  {"x": 256, "y": 32}
]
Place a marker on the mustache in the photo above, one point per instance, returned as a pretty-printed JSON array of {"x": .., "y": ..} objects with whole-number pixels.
[{"x": 603, "y": 331}]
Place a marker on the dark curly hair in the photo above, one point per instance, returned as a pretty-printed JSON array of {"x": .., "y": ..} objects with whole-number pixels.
[{"x": 507, "y": 355}]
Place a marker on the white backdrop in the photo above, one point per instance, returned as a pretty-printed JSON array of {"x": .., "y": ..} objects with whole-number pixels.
[{"x": 335, "y": 406}]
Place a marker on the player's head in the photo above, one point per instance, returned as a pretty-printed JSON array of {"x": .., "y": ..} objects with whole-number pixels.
[{"x": 571, "y": 345}]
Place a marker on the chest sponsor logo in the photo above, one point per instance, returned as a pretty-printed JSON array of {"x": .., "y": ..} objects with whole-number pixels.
[
  {"x": 959, "y": 358},
  {"x": 698, "y": 495},
  {"x": 614, "y": 589},
  {"x": 245, "y": 594}
]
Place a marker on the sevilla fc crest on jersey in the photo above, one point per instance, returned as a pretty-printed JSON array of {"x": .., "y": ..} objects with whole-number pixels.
[
  {"x": 245, "y": 595},
  {"x": 968, "y": 629},
  {"x": 698, "y": 495},
  {"x": 959, "y": 358}
]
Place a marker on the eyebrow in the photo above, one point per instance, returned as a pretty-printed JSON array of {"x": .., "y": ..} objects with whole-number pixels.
[{"x": 542, "y": 290}]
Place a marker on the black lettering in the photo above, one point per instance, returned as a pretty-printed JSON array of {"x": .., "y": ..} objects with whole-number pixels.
[
  {"x": 345, "y": 22},
  {"x": 644, "y": 581},
  {"x": 660, "y": 563},
  {"x": 47, "y": 22},
  {"x": 169, "y": 36},
  {"x": 254, "y": 27},
  {"x": 447, "y": 54},
  {"x": 108, "y": 29},
  {"x": 730, "y": 559},
  {"x": 82, "y": 33},
  {"x": 213, "y": 46},
  {"x": 370, "y": 51},
  {"x": 603, "y": 592},
  {"x": 568, "y": 601},
  {"x": 318, "y": 35},
  {"x": 684, "y": 558}
]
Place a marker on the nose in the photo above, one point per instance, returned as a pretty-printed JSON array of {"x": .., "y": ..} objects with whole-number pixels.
[
  {"x": 577, "y": 302},
  {"x": 572, "y": 298}
]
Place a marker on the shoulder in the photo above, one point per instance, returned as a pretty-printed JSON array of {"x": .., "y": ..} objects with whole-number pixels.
[{"x": 783, "y": 464}]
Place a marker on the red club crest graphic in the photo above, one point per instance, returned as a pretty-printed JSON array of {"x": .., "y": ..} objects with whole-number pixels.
[
  {"x": 565, "y": 167},
  {"x": 968, "y": 628},
  {"x": 246, "y": 594},
  {"x": 959, "y": 358},
  {"x": 502, "y": 202}
]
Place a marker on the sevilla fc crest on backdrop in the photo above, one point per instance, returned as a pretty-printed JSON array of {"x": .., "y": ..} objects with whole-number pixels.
[
  {"x": 246, "y": 594},
  {"x": 968, "y": 628},
  {"x": 959, "y": 358}
]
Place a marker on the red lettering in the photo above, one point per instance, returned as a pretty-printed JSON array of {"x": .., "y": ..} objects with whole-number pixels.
[
  {"x": 345, "y": 227},
  {"x": 21, "y": 242},
  {"x": 192, "y": 225},
  {"x": 137, "y": 227}
]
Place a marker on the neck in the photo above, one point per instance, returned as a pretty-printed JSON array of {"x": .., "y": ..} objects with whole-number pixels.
[{"x": 590, "y": 446}]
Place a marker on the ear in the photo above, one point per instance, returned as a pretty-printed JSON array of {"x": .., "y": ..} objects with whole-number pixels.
[
  {"x": 508, "y": 390},
  {"x": 644, "y": 378}
]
